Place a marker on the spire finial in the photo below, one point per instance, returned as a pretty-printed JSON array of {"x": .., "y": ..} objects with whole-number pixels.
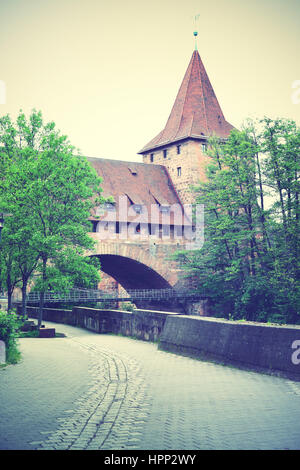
[{"x": 196, "y": 30}]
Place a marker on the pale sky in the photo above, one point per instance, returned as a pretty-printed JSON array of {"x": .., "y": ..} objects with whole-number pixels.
[{"x": 107, "y": 72}]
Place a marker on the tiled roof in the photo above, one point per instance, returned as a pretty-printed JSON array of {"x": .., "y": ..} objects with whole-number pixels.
[
  {"x": 196, "y": 112},
  {"x": 139, "y": 186}
]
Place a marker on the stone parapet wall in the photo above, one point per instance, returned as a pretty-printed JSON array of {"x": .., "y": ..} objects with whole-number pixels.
[
  {"x": 272, "y": 349},
  {"x": 142, "y": 324},
  {"x": 256, "y": 346}
]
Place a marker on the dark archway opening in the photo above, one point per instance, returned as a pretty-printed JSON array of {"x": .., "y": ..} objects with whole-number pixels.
[{"x": 132, "y": 274}]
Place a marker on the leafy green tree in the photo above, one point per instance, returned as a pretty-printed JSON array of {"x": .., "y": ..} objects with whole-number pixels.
[
  {"x": 249, "y": 264},
  {"x": 10, "y": 275},
  {"x": 49, "y": 190}
]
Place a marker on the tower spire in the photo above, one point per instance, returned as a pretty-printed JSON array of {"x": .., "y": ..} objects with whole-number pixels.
[
  {"x": 196, "y": 17},
  {"x": 196, "y": 112}
]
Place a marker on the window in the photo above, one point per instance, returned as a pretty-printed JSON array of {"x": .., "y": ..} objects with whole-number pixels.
[
  {"x": 132, "y": 170},
  {"x": 152, "y": 157},
  {"x": 179, "y": 171},
  {"x": 178, "y": 149},
  {"x": 204, "y": 147},
  {"x": 164, "y": 209},
  {"x": 165, "y": 153},
  {"x": 94, "y": 224},
  {"x": 138, "y": 208},
  {"x": 109, "y": 206}
]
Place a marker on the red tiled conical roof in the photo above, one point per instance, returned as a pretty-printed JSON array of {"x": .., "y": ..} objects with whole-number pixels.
[{"x": 196, "y": 111}]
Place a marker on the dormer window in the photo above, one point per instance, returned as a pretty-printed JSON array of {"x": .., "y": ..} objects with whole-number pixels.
[
  {"x": 109, "y": 206},
  {"x": 164, "y": 209},
  {"x": 138, "y": 208}
]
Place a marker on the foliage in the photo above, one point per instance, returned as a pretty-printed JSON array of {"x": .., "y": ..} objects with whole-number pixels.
[
  {"x": 127, "y": 306},
  {"x": 249, "y": 264},
  {"x": 9, "y": 325},
  {"x": 49, "y": 189}
]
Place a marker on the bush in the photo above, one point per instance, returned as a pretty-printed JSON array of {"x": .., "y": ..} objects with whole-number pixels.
[
  {"x": 127, "y": 306},
  {"x": 9, "y": 324}
]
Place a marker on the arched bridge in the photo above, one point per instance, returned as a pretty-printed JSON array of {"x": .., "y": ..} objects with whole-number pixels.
[
  {"x": 147, "y": 265},
  {"x": 138, "y": 265}
]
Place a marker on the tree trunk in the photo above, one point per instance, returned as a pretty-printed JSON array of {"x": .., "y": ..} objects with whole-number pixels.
[
  {"x": 9, "y": 300},
  {"x": 41, "y": 307},
  {"x": 42, "y": 295},
  {"x": 24, "y": 288},
  {"x": 10, "y": 289}
]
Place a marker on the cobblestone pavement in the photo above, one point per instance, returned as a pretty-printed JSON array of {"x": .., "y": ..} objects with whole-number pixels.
[{"x": 90, "y": 391}]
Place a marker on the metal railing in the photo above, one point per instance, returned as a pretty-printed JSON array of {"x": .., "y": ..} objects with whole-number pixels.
[{"x": 95, "y": 295}]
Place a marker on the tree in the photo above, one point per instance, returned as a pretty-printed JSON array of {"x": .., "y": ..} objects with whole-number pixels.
[
  {"x": 249, "y": 264},
  {"x": 50, "y": 190}
]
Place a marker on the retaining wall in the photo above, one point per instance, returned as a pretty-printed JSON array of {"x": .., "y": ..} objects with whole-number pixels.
[
  {"x": 256, "y": 346},
  {"x": 142, "y": 324}
]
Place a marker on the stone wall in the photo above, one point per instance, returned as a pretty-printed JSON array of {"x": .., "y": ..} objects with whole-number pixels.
[
  {"x": 192, "y": 160},
  {"x": 256, "y": 346},
  {"x": 142, "y": 324}
]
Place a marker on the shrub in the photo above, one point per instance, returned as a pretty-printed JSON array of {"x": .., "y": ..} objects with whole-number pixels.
[{"x": 9, "y": 324}]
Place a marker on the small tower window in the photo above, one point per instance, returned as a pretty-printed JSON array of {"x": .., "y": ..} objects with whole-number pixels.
[
  {"x": 165, "y": 153},
  {"x": 179, "y": 171},
  {"x": 138, "y": 208},
  {"x": 164, "y": 209},
  {"x": 204, "y": 147},
  {"x": 152, "y": 157},
  {"x": 178, "y": 149}
]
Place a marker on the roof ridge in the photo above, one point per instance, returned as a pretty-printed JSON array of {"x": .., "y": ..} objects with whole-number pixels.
[
  {"x": 186, "y": 93},
  {"x": 201, "y": 84}
]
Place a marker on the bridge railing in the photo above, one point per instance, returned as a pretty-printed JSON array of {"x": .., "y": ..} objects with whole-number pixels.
[{"x": 85, "y": 295}]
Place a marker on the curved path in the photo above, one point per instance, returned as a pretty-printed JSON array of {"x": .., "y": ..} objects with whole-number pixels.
[{"x": 91, "y": 391}]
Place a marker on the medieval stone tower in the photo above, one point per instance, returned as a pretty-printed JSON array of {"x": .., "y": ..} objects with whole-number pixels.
[
  {"x": 181, "y": 145},
  {"x": 172, "y": 162}
]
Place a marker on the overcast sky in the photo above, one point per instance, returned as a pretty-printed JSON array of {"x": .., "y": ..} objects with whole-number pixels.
[{"x": 107, "y": 72}]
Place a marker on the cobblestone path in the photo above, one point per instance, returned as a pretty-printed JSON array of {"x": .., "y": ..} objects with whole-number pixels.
[{"x": 104, "y": 392}]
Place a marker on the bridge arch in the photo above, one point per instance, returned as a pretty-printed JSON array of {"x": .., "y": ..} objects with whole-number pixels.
[
  {"x": 137, "y": 265},
  {"x": 132, "y": 274}
]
